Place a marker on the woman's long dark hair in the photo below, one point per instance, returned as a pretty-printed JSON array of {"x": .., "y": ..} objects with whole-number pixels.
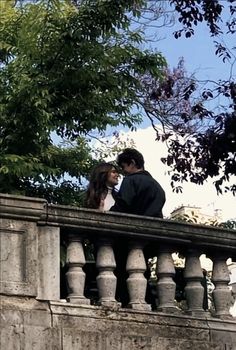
[{"x": 97, "y": 185}]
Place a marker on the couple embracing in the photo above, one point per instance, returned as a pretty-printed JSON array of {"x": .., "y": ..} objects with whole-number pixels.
[{"x": 139, "y": 193}]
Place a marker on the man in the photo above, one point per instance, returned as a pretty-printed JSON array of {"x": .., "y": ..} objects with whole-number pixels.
[{"x": 139, "y": 193}]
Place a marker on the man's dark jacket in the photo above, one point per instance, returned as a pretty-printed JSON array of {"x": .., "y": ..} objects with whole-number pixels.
[{"x": 140, "y": 194}]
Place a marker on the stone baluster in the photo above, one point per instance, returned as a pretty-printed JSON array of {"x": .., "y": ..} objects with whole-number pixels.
[
  {"x": 194, "y": 276},
  {"x": 165, "y": 285},
  {"x": 106, "y": 280},
  {"x": 75, "y": 275},
  {"x": 136, "y": 282},
  {"x": 222, "y": 295}
]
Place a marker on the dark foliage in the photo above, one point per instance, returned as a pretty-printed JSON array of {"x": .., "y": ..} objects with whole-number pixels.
[{"x": 208, "y": 151}]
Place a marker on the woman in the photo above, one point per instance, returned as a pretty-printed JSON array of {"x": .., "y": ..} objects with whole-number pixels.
[{"x": 101, "y": 193}]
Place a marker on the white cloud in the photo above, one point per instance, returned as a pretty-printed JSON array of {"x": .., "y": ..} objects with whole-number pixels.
[{"x": 203, "y": 196}]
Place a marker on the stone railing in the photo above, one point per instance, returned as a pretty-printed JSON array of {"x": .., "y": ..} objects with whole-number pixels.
[{"x": 31, "y": 232}]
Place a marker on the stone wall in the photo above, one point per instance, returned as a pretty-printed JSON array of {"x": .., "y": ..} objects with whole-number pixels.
[
  {"x": 28, "y": 324},
  {"x": 32, "y": 316},
  {"x": 29, "y": 253}
]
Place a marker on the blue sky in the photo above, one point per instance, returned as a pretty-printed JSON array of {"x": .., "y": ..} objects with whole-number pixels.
[
  {"x": 198, "y": 53},
  {"x": 198, "y": 50}
]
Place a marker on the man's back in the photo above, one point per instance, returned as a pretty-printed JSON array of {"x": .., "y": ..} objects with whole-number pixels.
[{"x": 140, "y": 194}]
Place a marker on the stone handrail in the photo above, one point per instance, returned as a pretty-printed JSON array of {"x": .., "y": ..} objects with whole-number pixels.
[{"x": 30, "y": 244}]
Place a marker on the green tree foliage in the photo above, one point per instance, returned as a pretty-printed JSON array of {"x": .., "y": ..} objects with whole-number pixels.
[
  {"x": 231, "y": 224},
  {"x": 74, "y": 67},
  {"x": 67, "y": 68},
  {"x": 193, "y": 218}
]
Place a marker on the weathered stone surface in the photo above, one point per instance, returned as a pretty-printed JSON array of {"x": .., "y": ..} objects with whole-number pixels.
[
  {"x": 20, "y": 337},
  {"x": 29, "y": 273},
  {"x": 108, "y": 341},
  {"x": 18, "y": 252},
  {"x": 48, "y": 263},
  {"x": 132, "y": 226},
  {"x": 28, "y": 324},
  {"x": 224, "y": 333},
  {"x": 173, "y": 344},
  {"x": 138, "y": 330},
  {"x": 23, "y": 310},
  {"x": 22, "y": 208},
  {"x": 75, "y": 274},
  {"x": 136, "y": 282},
  {"x": 106, "y": 280}
]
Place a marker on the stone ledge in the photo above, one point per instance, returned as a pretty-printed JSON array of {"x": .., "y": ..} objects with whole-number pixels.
[
  {"x": 22, "y": 208},
  {"x": 81, "y": 220},
  {"x": 152, "y": 317}
]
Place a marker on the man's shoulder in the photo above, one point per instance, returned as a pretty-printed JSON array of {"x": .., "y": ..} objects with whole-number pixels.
[
  {"x": 139, "y": 177},
  {"x": 143, "y": 178},
  {"x": 139, "y": 174}
]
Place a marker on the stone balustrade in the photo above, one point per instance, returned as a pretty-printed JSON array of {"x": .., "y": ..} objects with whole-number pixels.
[{"x": 31, "y": 231}]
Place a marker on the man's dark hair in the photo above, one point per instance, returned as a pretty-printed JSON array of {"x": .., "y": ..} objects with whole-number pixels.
[{"x": 130, "y": 154}]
